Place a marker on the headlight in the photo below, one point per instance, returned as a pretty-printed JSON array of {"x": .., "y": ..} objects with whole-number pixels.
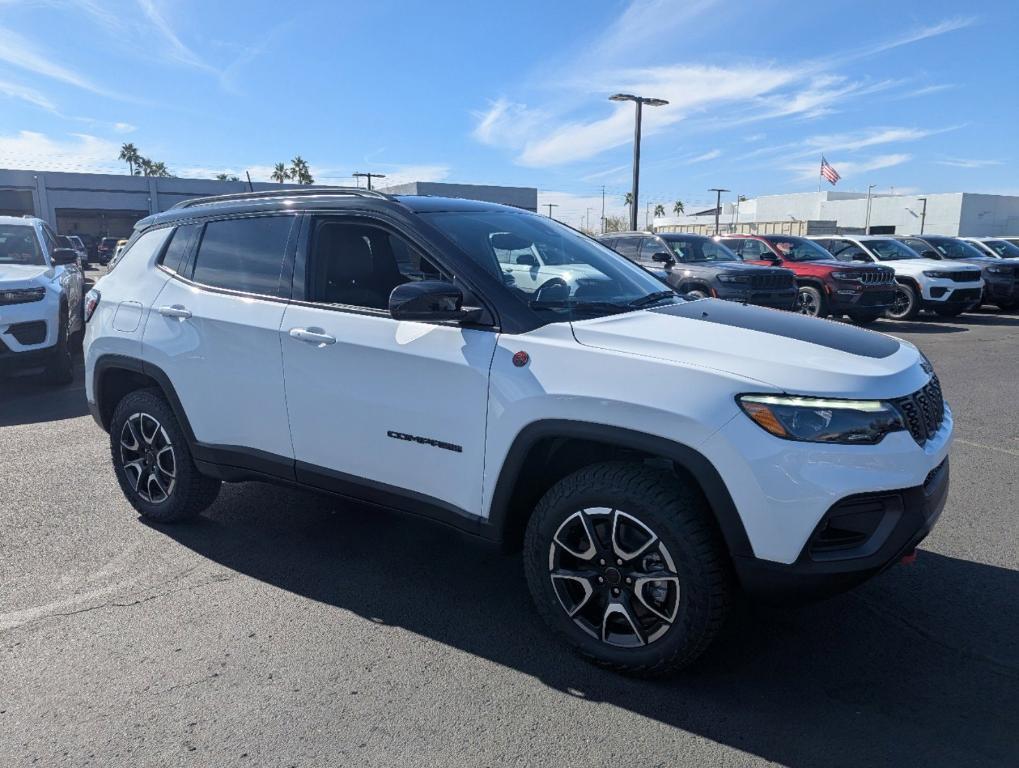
[
  {"x": 999, "y": 270},
  {"x": 936, "y": 274},
  {"x": 741, "y": 279},
  {"x": 817, "y": 420},
  {"x": 845, "y": 275},
  {"x": 21, "y": 295}
]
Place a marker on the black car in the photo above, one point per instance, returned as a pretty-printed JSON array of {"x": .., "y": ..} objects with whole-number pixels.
[
  {"x": 1001, "y": 276},
  {"x": 700, "y": 267},
  {"x": 107, "y": 247}
]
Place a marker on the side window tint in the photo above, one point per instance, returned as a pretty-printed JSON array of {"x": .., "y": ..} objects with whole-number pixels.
[
  {"x": 243, "y": 254},
  {"x": 174, "y": 253},
  {"x": 628, "y": 246},
  {"x": 359, "y": 265},
  {"x": 142, "y": 246},
  {"x": 650, "y": 247}
]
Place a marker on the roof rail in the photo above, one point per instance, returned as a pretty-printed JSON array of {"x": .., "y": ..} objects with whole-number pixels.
[{"x": 271, "y": 193}]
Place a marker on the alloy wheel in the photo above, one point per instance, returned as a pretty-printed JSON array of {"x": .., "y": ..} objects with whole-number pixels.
[
  {"x": 614, "y": 577},
  {"x": 900, "y": 304},
  {"x": 149, "y": 460},
  {"x": 806, "y": 304}
]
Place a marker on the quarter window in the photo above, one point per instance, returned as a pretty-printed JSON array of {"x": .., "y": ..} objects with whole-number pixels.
[
  {"x": 243, "y": 254},
  {"x": 753, "y": 249},
  {"x": 174, "y": 253}
]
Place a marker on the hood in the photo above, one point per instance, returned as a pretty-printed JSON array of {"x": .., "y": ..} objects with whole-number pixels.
[
  {"x": 787, "y": 351},
  {"x": 734, "y": 266},
  {"x": 21, "y": 275},
  {"x": 943, "y": 265}
]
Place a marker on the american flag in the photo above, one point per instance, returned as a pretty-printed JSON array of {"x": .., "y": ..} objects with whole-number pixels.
[{"x": 828, "y": 172}]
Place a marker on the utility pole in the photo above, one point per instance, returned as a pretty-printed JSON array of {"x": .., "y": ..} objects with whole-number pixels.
[
  {"x": 866, "y": 226},
  {"x": 647, "y": 216},
  {"x": 640, "y": 101},
  {"x": 550, "y": 207},
  {"x": 923, "y": 213},
  {"x": 369, "y": 176},
  {"x": 587, "y": 220},
  {"x": 718, "y": 203},
  {"x": 603, "y": 209}
]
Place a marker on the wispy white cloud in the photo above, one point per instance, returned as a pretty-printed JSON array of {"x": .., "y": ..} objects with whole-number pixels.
[
  {"x": 711, "y": 155},
  {"x": 177, "y": 49},
  {"x": 30, "y": 95},
  {"x": 79, "y": 152},
  {"x": 617, "y": 172},
  {"x": 124, "y": 128},
  {"x": 925, "y": 91},
  {"x": 19, "y": 52},
  {"x": 917, "y": 34},
  {"x": 961, "y": 162}
]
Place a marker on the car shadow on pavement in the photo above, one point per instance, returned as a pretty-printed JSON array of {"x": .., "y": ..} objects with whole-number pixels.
[
  {"x": 26, "y": 397},
  {"x": 919, "y": 665}
]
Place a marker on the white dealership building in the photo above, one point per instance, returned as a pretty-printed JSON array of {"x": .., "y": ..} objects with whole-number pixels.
[{"x": 951, "y": 213}]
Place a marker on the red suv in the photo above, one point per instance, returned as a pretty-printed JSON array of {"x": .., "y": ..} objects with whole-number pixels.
[{"x": 826, "y": 286}]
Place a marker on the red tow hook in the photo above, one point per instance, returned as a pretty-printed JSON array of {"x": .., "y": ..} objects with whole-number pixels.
[{"x": 909, "y": 558}]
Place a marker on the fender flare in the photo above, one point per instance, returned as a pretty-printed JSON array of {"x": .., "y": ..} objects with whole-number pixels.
[
  {"x": 105, "y": 363},
  {"x": 700, "y": 468}
]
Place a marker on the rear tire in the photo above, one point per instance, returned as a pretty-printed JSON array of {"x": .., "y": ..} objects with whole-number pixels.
[
  {"x": 810, "y": 301},
  {"x": 638, "y": 522},
  {"x": 153, "y": 462},
  {"x": 60, "y": 366},
  {"x": 906, "y": 304}
]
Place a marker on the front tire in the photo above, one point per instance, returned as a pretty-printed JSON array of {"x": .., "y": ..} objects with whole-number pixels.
[
  {"x": 906, "y": 304},
  {"x": 60, "y": 366},
  {"x": 153, "y": 462},
  {"x": 624, "y": 563},
  {"x": 810, "y": 301}
]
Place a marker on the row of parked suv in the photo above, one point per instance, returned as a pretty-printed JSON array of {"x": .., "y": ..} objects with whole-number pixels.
[
  {"x": 499, "y": 372},
  {"x": 862, "y": 277}
]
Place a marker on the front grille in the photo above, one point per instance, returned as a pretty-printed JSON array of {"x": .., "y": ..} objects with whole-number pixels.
[
  {"x": 33, "y": 332},
  {"x": 963, "y": 276},
  {"x": 771, "y": 282},
  {"x": 876, "y": 277},
  {"x": 965, "y": 294},
  {"x": 923, "y": 411}
]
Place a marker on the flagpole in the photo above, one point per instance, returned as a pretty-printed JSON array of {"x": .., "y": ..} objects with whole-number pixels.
[{"x": 819, "y": 169}]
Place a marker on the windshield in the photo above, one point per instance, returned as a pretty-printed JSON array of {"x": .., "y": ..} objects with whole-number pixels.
[
  {"x": 19, "y": 245},
  {"x": 798, "y": 249},
  {"x": 553, "y": 269},
  {"x": 950, "y": 248},
  {"x": 695, "y": 249},
  {"x": 890, "y": 250},
  {"x": 1003, "y": 248}
]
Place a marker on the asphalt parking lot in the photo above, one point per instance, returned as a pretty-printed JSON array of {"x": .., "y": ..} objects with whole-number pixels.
[{"x": 288, "y": 629}]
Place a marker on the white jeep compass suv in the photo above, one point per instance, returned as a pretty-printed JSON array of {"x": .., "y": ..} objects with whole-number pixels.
[
  {"x": 651, "y": 455},
  {"x": 41, "y": 290},
  {"x": 949, "y": 288}
]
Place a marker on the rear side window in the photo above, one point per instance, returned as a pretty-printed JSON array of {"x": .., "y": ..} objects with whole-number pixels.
[
  {"x": 142, "y": 246},
  {"x": 175, "y": 251},
  {"x": 243, "y": 254}
]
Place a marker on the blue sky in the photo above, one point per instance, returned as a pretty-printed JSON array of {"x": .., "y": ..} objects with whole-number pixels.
[{"x": 915, "y": 96}]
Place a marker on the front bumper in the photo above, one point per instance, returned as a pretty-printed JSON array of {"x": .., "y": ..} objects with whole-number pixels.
[
  {"x": 1001, "y": 288},
  {"x": 856, "y": 539},
  {"x": 776, "y": 299},
  {"x": 28, "y": 331},
  {"x": 856, "y": 298},
  {"x": 937, "y": 292}
]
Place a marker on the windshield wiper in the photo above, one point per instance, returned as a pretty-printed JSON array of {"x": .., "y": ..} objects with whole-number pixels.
[{"x": 651, "y": 298}]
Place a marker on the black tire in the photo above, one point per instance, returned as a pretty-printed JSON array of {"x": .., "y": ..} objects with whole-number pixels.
[
  {"x": 1006, "y": 306},
  {"x": 60, "y": 366},
  {"x": 949, "y": 311},
  {"x": 864, "y": 318},
  {"x": 906, "y": 304},
  {"x": 684, "y": 534},
  {"x": 696, "y": 293},
  {"x": 186, "y": 491},
  {"x": 810, "y": 301}
]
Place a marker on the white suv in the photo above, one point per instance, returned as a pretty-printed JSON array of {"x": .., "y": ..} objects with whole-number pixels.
[
  {"x": 949, "y": 288},
  {"x": 41, "y": 290},
  {"x": 650, "y": 454}
]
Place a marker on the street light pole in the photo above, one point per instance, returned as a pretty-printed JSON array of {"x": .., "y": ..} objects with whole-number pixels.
[
  {"x": 369, "y": 176},
  {"x": 866, "y": 224},
  {"x": 640, "y": 101},
  {"x": 718, "y": 203},
  {"x": 923, "y": 213},
  {"x": 550, "y": 207}
]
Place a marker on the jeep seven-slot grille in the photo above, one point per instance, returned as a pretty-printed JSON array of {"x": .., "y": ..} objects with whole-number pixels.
[
  {"x": 771, "y": 282},
  {"x": 876, "y": 277},
  {"x": 963, "y": 276},
  {"x": 923, "y": 411}
]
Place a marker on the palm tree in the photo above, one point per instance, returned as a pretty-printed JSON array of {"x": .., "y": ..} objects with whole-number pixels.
[
  {"x": 142, "y": 166},
  {"x": 280, "y": 173},
  {"x": 659, "y": 210},
  {"x": 678, "y": 208},
  {"x": 226, "y": 177},
  {"x": 299, "y": 171},
  {"x": 159, "y": 169},
  {"x": 129, "y": 154}
]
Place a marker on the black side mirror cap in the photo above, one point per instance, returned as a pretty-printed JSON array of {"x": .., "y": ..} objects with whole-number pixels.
[
  {"x": 64, "y": 256},
  {"x": 527, "y": 260},
  {"x": 663, "y": 258},
  {"x": 430, "y": 301}
]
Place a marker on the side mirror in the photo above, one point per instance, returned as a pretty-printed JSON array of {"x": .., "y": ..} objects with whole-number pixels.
[
  {"x": 430, "y": 300},
  {"x": 663, "y": 258},
  {"x": 527, "y": 260},
  {"x": 859, "y": 256},
  {"x": 931, "y": 255},
  {"x": 64, "y": 256},
  {"x": 774, "y": 258}
]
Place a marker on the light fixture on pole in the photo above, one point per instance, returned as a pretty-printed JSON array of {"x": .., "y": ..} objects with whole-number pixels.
[
  {"x": 718, "y": 203},
  {"x": 923, "y": 213},
  {"x": 369, "y": 176},
  {"x": 550, "y": 207},
  {"x": 866, "y": 225},
  {"x": 640, "y": 101}
]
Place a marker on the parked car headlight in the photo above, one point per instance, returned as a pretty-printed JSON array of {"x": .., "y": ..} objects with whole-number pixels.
[
  {"x": 845, "y": 276},
  {"x": 819, "y": 420},
  {"x": 21, "y": 295},
  {"x": 739, "y": 279},
  {"x": 937, "y": 274},
  {"x": 999, "y": 270}
]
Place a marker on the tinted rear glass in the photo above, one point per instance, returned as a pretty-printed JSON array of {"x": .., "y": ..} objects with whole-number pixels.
[
  {"x": 171, "y": 258},
  {"x": 243, "y": 254}
]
